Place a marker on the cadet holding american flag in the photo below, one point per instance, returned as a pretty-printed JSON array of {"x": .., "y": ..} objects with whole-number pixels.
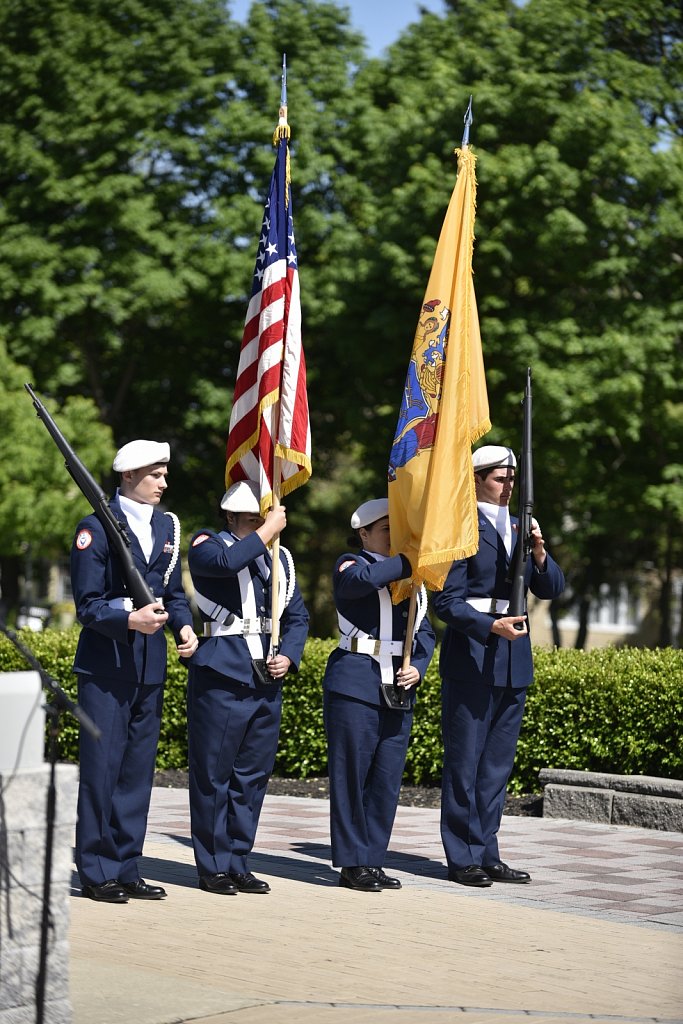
[{"x": 255, "y": 621}]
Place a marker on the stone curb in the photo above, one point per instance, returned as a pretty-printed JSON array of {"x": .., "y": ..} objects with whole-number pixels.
[{"x": 639, "y": 800}]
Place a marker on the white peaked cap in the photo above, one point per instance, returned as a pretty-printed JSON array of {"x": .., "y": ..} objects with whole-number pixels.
[
  {"x": 137, "y": 454},
  {"x": 369, "y": 512},
  {"x": 242, "y": 497},
  {"x": 490, "y": 456}
]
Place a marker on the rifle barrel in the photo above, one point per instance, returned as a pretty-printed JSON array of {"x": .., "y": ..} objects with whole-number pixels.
[
  {"x": 524, "y": 544},
  {"x": 136, "y": 585}
]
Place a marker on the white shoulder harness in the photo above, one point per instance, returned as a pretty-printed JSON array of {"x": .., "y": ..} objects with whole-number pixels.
[
  {"x": 249, "y": 625},
  {"x": 384, "y": 648}
]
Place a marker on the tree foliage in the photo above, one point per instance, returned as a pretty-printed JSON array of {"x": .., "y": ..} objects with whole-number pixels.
[
  {"x": 578, "y": 253},
  {"x": 134, "y": 159},
  {"x": 39, "y": 502}
]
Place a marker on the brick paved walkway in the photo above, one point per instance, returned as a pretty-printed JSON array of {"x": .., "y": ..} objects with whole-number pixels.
[{"x": 597, "y": 935}]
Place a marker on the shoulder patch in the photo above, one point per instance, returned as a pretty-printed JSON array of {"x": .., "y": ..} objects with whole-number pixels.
[
  {"x": 345, "y": 565},
  {"x": 83, "y": 540},
  {"x": 199, "y": 539}
]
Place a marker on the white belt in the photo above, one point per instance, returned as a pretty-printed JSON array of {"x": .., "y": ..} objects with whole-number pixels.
[
  {"x": 238, "y": 627},
  {"x": 491, "y": 605},
  {"x": 362, "y": 645},
  {"x": 124, "y": 604}
]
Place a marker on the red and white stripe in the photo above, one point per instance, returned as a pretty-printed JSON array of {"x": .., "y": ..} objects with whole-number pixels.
[{"x": 270, "y": 407}]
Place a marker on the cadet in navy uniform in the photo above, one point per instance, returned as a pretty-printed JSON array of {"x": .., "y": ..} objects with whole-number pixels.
[
  {"x": 121, "y": 668},
  {"x": 234, "y": 698},
  {"x": 486, "y": 666},
  {"x": 367, "y": 738}
]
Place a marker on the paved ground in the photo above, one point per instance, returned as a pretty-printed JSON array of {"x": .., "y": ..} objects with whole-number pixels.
[{"x": 597, "y": 935}]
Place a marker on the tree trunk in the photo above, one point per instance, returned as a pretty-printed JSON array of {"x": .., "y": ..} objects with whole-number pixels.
[
  {"x": 664, "y": 639},
  {"x": 555, "y": 623},
  {"x": 582, "y": 632},
  {"x": 10, "y": 567}
]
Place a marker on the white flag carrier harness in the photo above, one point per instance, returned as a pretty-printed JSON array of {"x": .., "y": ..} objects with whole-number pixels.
[
  {"x": 384, "y": 648},
  {"x": 251, "y": 626}
]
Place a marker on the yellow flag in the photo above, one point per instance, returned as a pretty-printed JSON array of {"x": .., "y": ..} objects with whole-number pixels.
[{"x": 444, "y": 410}]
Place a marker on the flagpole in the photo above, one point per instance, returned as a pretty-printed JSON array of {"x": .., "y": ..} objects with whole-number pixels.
[
  {"x": 275, "y": 567},
  {"x": 412, "y": 606},
  {"x": 410, "y": 628},
  {"x": 269, "y": 437},
  {"x": 277, "y": 467}
]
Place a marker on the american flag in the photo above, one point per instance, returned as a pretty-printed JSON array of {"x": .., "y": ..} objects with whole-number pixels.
[{"x": 270, "y": 407}]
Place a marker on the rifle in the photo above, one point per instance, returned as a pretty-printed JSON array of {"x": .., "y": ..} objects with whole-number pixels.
[
  {"x": 524, "y": 545},
  {"x": 136, "y": 585}
]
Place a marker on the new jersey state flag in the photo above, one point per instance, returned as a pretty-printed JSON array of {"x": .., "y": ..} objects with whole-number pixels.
[{"x": 444, "y": 409}]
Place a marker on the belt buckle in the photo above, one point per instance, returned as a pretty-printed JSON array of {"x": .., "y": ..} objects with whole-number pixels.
[
  {"x": 377, "y": 648},
  {"x": 246, "y": 626},
  {"x": 494, "y": 606}
]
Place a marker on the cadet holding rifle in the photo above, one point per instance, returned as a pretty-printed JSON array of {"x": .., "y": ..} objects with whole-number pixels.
[
  {"x": 121, "y": 667},
  {"x": 126, "y": 583},
  {"x": 486, "y": 667}
]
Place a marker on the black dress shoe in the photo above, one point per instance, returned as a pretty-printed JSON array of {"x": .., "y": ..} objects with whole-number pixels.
[
  {"x": 141, "y": 890},
  {"x": 221, "y": 884},
  {"x": 384, "y": 880},
  {"x": 473, "y": 874},
  {"x": 110, "y": 891},
  {"x": 500, "y": 872},
  {"x": 246, "y": 882},
  {"x": 359, "y": 878}
]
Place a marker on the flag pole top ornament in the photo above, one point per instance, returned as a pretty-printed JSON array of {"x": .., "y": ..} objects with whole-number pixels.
[
  {"x": 468, "y": 123},
  {"x": 283, "y": 130}
]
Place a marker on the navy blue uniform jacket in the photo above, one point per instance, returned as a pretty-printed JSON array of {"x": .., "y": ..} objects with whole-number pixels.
[
  {"x": 214, "y": 567},
  {"x": 355, "y": 596},
  {"x": 107, "y": 649},
  {"x": 469, "y": 651}
]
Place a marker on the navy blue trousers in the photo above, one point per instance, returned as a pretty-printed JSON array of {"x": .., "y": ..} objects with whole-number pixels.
[
  {"x": 232, "y": 735},
  {"x": 116, "y": 777},
  {"x": 366, "y": 750},
  {"x": 480, "y": 726}
]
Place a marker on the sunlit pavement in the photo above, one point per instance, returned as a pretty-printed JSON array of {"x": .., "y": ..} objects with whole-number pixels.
[{"x": 597, "y": 935}]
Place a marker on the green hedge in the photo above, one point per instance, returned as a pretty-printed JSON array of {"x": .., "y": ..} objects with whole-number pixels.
[{"x": 609, "y": 710}]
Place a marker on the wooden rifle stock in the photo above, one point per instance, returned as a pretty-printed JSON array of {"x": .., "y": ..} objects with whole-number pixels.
[
  {"x": 524, "y": 544},
  {"x": 138, "y": 589}
]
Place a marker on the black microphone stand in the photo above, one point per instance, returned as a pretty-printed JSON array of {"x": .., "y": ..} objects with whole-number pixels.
[{"x": 53, "y": 709}]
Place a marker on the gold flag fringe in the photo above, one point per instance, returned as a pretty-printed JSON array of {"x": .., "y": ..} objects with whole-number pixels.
[
  {"x": 467, "y": 162},
  {"x": 246, "y": 446}
]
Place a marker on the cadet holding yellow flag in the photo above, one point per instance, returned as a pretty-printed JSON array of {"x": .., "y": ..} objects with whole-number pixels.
[{"x": 368, "y": 728}]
